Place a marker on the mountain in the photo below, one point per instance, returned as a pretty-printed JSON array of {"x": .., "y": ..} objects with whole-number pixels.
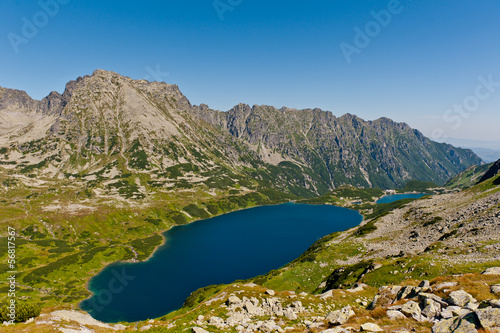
[
  {"x": 493, "y": 171},
  {"x": 468, "y": 177},
  {"x": 147, "y": 137}
]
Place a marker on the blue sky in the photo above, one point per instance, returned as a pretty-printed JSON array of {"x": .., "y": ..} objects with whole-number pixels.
[{"x": 434, "y": 64}]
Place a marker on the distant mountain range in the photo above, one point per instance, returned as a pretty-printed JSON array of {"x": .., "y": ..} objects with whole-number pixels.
[{"x": 111, "y": 134}]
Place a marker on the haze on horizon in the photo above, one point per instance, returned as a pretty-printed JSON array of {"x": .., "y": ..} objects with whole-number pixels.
[{"x": 432, "y": 65}]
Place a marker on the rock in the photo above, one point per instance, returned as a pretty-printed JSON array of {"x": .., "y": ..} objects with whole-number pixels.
[
  {"x": 460, "y": 298},
  {"x": 289, "y": 314},
  {"x": 269, "y": 326},
  {"x": 233, "y": 300},
  {"x": 488, "y": 317},
  {"x": 394, "y": 314},
  {"x": 303, "y": 294},
  {"x": 251, "y": 309},
  {"x": 455, "y": 325},
  {"x": 445, "y": 285},
  {"x": 492, "y": 271},
  {"x": 237, "y": 318},
  {"x": 412, "y": 309},
  {"x": 495, "y": 289},
  {"x": 340, "y": 317},
  {"x": 270, "y": 292},
  {"x": 423, "y": 296},
  {"x": 217, "y": 322},
  {"x": 297, "y": 307},
  {"x": 370, "y": 327},
  {"x": 424, "y": 284},
  {"x": 336, "y": 330},
  {"x": 199, "y": 330},
  {"x": 407, "y": 292},
  {"x": 460, "y": 312},
  {"x": 492, "y": 302},
  {"x": 327, "y": 294},
  {"x": 431, "y": 308}
]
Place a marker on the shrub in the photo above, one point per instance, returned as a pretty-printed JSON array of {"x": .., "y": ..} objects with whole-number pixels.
[{"x": 24, "y": 311}]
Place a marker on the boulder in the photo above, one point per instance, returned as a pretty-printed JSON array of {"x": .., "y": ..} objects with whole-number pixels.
[
  {"x": 423, "y": 296},
  {"x": 492, "y": 271},
  {"x": 411, "y": 309},
  {"x": 445, "y": 285},
  {"x": 217, "y": 322},
  {"x": 289, "y": 314},
  {"x": 199, "y": 330},
  {"x": 340, "y": 317},
  {"x": 233, "y": 300},
  {"x": 407, "y": 292},
  {"x": 270, "y": 292},
  {"x": 251, "y": 309},
  {"x": 460, "y": 298},
  {"x": 488, "y": 317},
  {"x": 431, "y": 308},
  {"x": 455, "y": 325},
  {"x": 424, "y": 284},
  {"x": 394, "y": 315},
  {"x": 370, "y": 327},
  {"x": 495, "y": 289}
]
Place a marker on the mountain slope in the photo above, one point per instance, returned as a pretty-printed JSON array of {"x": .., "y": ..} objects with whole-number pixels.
[
  {"x": 492, "y": 172},
  {"x": 109, "y": 124}
]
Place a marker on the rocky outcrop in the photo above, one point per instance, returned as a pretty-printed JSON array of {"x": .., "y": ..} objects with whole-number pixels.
[{"x": 103, "y": 116}]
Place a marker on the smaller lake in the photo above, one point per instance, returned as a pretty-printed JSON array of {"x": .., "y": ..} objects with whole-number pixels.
[
  {"x": 238, "y": 245},
  {"x": 396, "y": 197}
]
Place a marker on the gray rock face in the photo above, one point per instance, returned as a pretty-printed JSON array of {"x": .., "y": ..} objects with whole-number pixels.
[
  {"x": 411, "y": 309},
  {"x": 395, "y": 315},
  {"x": 489, "y": 317},
  {"x": 466, "y": 324},
  {"x": 460, "y": 298},
  {"x": 492, "y": 271},
  {"x": 431, "y": 308},
  {"x": 495, "y": 289},
  {"x": 370, "y": 327},
  {"x": 340, "y": 317},
  {"x": 199, "y": 330}
]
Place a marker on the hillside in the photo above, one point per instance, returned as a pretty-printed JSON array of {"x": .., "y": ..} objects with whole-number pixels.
[
  {"x": 429, "y": 265},
  {"x": 96, "y": 174},
  {"x": 106, "y": 126}
]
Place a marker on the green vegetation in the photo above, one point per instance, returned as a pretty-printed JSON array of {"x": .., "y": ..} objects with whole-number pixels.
[
  {"x": 417, "y": 186},
  {"x": 24, "y": 311}
]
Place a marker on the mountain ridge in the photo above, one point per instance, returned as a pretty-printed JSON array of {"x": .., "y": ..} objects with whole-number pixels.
[{"x": 106, "y": 117}]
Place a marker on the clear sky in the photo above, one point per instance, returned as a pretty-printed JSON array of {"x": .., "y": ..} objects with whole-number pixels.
[{"x": 432, "y": 64}]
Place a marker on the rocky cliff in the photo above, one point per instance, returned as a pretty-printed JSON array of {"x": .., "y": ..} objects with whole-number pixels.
[{"x": 109, "y": 122}]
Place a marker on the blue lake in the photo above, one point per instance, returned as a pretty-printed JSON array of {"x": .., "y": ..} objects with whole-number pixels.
[
  {"x": 396, "y": 197},
  {"x": 222, "y": 249}
]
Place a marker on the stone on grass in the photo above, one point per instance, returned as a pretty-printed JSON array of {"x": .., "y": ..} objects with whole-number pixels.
[
  {"x": 394, "y": 315},
  {"x": 489, "y": 317},
  {"x": 460, "y": 298},
  {"x": 340, "y": 317},
  {"x": 371, "y": 327},
  {"x": 492, "y": 271}
]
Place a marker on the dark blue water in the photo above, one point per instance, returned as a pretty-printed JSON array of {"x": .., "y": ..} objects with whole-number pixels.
[
  {"x": 237, "y": 245},
  {"x": 396, "y": 197}
]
